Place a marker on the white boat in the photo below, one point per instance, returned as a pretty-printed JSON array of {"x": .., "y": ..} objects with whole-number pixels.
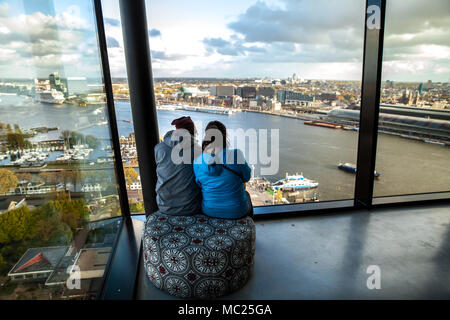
[
  {"x": 98, "y": 110},
  {"x": 50, "y": 96},
  {"x": 295, "y": 182}
]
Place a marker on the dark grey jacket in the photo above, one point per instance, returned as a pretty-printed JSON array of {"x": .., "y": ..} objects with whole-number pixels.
[{"x": 176, "y": 190}]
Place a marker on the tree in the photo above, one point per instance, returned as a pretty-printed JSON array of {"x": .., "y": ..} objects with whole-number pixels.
[
  {"x": 17, "y": 129},
  {"x": 65, "y": 135},
  {"x": 130, "y": 175},
  {"x": 7, "y": 180},
  {"x": 15, "y": 140},
  {"x": 3, "y": 265}
]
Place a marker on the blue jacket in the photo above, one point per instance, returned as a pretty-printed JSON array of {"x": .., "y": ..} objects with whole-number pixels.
[
  {"x": 223, "y": 191},
  {"x": 176, "y": 190}
]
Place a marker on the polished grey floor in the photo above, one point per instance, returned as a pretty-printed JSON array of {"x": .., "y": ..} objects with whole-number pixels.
[{"x": 327, "y": 256}]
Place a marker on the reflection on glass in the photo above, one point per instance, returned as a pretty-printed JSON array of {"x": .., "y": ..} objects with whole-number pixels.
[
  {"x": 57, "y": 182},
  {"x": 414, "y": 129}
]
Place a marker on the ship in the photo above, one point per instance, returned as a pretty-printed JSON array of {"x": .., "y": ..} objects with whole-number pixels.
[
  {"x": 322, "y": 124},
  {"x": 432, "y": 141},
  {"x": 294, "y": 182},
  {"x": 49, "y": 96},
  {"x": 350, "y": 167},
  {"x": 209, "y": 109},
  {"x": 168, "y": 107}
]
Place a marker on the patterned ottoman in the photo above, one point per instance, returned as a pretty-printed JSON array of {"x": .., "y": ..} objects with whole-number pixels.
[{"x": 198, "y": 256}]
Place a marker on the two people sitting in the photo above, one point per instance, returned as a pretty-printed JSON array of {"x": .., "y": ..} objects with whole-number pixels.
[{"x": 210, "y": 179}]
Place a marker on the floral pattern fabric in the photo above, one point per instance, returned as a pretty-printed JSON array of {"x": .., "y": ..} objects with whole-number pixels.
[{"x": 198, "y": 256}]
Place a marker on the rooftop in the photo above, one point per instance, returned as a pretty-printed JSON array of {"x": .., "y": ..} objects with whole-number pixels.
[{"x": 38, "y": 260}]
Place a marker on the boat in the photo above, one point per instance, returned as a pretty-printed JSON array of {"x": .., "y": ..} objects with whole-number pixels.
[
  {"x": 49, "y": 96},
  {"x": 129, "y": 121},
  {"x": 168, "y": 107},
  {"x": 434, "y": 142},
  {"x": 350, "y": 167},
  {"x": 209, "y": 109},
  {"x": 322, "y": 124},
  {"x": 294, "y": 182},
  {"x": 98, "y": 110}
]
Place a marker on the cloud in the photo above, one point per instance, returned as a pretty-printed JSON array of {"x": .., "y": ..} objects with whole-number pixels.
[
  {"x": 154, "y": 33},
  {"x": 38, "y": 44},
  {"x": 234, "y": 47},
  {"x": 112, "y": 22},
  {"x": 322, "y": 31},
  {"x": 161, "y": 55},
  {"x": 112, "y": 42}
]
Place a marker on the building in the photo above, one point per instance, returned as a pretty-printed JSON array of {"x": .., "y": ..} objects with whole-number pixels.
[
  {"x": 55, "y": 80},
  {"x": 246, "y": 92},
  {"x": 274, "y": 105},
  {"x": 222, "y": 91},
  {"x": 91, "y": 264},
  {"x": 91, "y": 187},
  {"x": 253, "y": 104},
  {"x": 266, "y": 92},
  {"x": 401, "y": 124},
  {"x": 329, "y": 96},
  {"x": 37, "y": 264},
  {"x": 288, "y": 97}
]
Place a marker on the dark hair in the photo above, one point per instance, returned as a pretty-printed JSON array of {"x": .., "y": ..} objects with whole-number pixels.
[{"x": 218, "y": 126}]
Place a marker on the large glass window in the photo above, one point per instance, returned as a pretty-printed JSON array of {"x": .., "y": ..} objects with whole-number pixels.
[
  {"x": 58, "y": 191},
  {"x": 414, "y": 128},
  {"x": 125, "y": 125},
  {"x": 289, "y": 68}
]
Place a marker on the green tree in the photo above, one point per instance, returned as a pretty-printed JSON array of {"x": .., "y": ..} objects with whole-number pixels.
[
  {"x": 15, "y": 140},
  {"x": 7, "y": 180},
  {"x": 130, "y": 175}
]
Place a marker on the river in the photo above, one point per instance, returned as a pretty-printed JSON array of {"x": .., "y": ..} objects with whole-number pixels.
[{"x": 407, "y": 166}]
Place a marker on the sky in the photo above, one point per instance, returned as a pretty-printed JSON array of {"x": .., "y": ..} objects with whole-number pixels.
[{"x": 320, "y": 39}]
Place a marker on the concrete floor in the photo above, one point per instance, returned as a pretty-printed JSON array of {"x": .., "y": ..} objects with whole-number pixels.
[{"x": 326, "y": 256}]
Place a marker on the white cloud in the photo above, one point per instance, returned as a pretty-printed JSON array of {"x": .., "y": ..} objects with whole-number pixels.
[{"x": 65, "y": 42}]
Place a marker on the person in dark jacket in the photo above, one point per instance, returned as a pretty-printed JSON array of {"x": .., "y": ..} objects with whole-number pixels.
[
  {"x": 176, "y": 190},
  {"x": 221, "y": 173}
]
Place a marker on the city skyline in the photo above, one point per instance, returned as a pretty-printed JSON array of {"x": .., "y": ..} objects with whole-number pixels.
[{"x": 243, "y": 39}]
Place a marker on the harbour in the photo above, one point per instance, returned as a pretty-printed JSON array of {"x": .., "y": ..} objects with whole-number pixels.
[{"x": 313, "y": 150}]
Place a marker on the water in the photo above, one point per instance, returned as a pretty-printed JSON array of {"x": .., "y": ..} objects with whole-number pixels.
[{"x": 407, "y": 166}]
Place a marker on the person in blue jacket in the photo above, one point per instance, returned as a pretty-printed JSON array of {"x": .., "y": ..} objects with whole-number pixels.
[{"x": 221, "y": 173}]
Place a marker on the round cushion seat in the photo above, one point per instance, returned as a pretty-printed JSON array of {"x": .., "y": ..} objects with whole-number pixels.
[{"x": 198, "y": 256}]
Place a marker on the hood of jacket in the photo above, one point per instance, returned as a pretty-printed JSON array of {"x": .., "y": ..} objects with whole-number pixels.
[{"x": 214, "y": 163}]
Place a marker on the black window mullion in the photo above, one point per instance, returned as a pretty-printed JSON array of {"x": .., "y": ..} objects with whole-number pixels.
[
  {"x": 120, "y": 176},
  {"x": 142, "y": 98},
  {"x": 370, "y": 101}
]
